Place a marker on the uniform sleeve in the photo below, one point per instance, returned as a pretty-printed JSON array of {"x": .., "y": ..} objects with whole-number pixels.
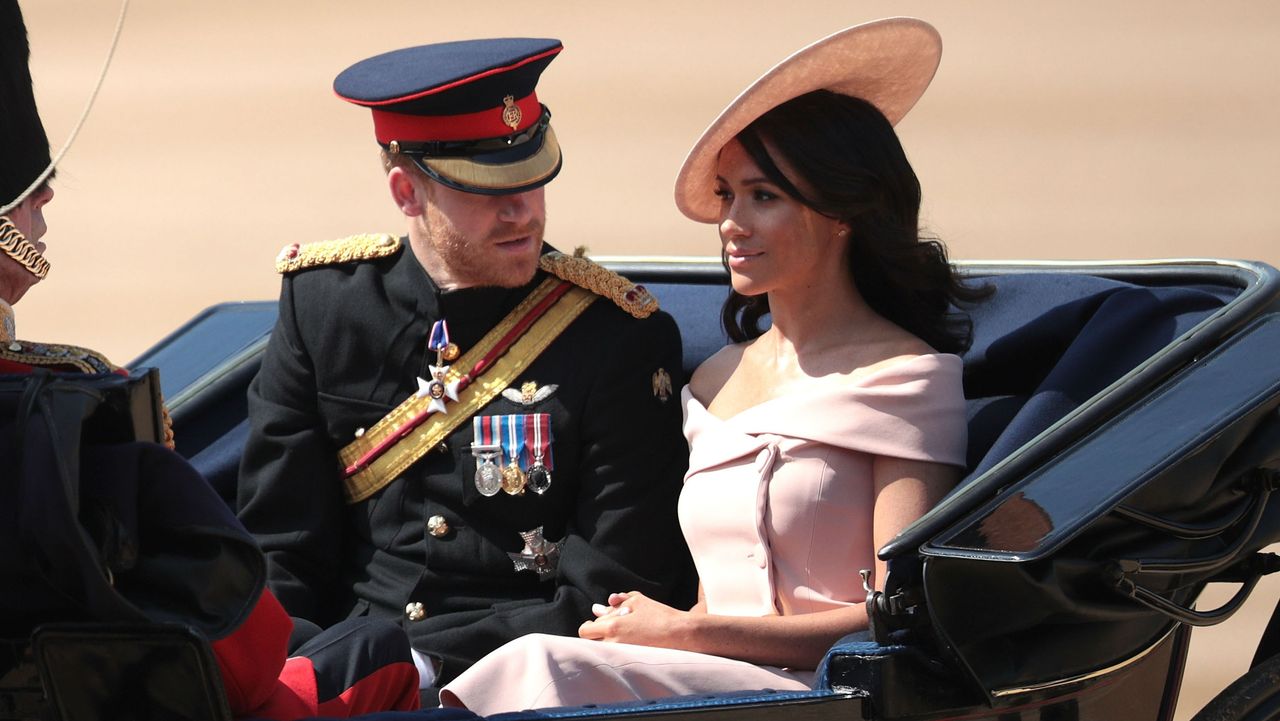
[
  {"x": 289, "y": 496},
  {"x": 251, "y": 657},
  {"x": 625, "y": 535}
]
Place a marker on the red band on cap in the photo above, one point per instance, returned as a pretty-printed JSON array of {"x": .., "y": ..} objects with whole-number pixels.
[{"x": 467, "y": 126}]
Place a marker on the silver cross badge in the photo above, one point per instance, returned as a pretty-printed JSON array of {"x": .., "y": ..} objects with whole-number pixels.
[{"x": 538, "y": 555}]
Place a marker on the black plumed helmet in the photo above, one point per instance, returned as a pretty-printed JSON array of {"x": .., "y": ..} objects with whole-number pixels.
[{"x": 24, "y": 147}]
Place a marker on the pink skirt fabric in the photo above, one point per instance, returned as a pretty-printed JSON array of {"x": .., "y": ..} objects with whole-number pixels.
[{"x": 540, "y": 671}]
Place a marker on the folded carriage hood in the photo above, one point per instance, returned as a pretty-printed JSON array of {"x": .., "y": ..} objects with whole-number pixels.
[{"x": 1028, "y": 588}]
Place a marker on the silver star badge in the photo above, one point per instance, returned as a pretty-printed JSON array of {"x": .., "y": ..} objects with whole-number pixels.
[
  {"x": 538, "y": 555},
  {"x": 437, "y": 389}
]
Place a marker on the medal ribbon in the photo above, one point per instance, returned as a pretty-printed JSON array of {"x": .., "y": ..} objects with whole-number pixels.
[
  {"x": 515, "y": 442},
  {"x": 488, "y": 359},
  {"x": 439, "y": 338},
  {"x": 538, "y": 427},
  {"x": 482, "y": 430}
]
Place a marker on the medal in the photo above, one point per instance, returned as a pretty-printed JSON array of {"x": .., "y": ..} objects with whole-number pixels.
[
  {"x": 513, "y": 478},
  {"x": 438, "y": 388},
  {"x": 513, "y": 453},
  {"x": 538, "y": 555},
  {"x": 488, "y": 477},
  {"x": 538, "y": 478},
  {"x": 538, "y": 475}
]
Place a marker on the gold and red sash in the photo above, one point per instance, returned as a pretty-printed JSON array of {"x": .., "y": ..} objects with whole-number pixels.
[{"x": 411, "y": 430}]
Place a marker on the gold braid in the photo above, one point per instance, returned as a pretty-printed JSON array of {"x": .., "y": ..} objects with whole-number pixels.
[
  {"x": 167, "y": 422},
  {"x": 600, "y": 280},
  {"x": 16, "y": 246}
]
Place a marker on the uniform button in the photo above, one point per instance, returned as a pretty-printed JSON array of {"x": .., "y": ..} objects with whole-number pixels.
[
  {"x": 415, "y": 611},
  {"x": 437, "y": 526},
  {"x": 443, "y": 447}
]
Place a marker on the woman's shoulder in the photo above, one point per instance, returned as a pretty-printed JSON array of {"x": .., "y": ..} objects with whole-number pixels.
[
  {"x": 709, "y": 377},
  {"x": 914, "y": 370},
  {"x": 858, "y": 357}
]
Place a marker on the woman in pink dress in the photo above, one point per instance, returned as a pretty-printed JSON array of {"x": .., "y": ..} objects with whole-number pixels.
[{"x": 812, "y": 442}]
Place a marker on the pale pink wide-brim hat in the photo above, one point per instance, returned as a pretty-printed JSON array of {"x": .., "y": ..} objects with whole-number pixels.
[{"x": 888, "y": 63}]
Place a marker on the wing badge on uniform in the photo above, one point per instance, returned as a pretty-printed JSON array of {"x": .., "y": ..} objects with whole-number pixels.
[{"x": 529, "y": 393}]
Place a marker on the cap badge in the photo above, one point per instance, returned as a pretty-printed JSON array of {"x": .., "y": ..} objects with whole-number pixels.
[{"x": 511, "y": 113}]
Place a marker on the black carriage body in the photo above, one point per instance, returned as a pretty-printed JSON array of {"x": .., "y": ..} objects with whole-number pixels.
[{"x": 1119, "y": 414}]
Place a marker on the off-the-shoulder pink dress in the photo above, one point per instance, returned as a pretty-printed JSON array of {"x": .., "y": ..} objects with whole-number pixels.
[{"x": 777, "y": 510}]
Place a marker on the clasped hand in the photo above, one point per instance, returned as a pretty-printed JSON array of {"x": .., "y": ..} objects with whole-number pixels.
[{"x": 635, "y": 618}]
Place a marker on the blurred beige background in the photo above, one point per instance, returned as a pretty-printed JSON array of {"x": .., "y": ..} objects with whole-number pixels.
[{"x": 1090, "y": 129}]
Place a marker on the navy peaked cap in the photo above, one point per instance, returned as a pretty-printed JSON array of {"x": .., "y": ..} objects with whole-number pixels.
[{"x": 466, "y": 112}]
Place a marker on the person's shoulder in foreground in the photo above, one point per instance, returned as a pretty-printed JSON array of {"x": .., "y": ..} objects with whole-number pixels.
[{"x": 149, "y": 496}]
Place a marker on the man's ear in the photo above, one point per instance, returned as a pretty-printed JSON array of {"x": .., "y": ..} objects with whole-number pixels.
[{"x": 406, "y": 193}]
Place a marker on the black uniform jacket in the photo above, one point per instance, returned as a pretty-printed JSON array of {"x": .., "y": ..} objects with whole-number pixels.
[{"x": 349, "y": 345}]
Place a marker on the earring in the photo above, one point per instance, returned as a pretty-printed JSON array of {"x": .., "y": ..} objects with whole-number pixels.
[{"x": 843, "y": 232}]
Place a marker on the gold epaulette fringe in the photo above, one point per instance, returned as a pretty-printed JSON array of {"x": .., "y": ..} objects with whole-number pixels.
[
  {"x": 53, "y": 354},
  {"x": 584, "y": 272},
  {"x": 357, "y": 247}
]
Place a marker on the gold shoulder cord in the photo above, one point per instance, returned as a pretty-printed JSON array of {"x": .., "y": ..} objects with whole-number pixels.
[
  {"x": 344, "y": 250},
  {"x": 16, "y": 246},
  {"x": 586, "y": 273}
]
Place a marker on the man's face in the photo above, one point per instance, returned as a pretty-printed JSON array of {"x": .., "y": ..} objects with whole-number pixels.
[
  {"x": 28, "y": 218},
  {"x": 481, "y": 240}
]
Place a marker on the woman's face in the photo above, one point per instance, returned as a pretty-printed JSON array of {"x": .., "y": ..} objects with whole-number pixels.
[{"x": 772, "y": 241}]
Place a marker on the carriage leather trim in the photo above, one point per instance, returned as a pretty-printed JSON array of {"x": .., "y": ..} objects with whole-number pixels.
[{"x": 383, "y": 469}]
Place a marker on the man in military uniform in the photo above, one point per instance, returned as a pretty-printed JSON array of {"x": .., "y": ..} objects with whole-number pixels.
[
  {"x": 154, "y": 503},
  {"x": 24, "y": 191},
  {"x": 463, "y": 427}
]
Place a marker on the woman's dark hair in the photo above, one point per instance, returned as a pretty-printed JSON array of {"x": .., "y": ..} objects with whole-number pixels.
[{"x": 845, "y": 150}]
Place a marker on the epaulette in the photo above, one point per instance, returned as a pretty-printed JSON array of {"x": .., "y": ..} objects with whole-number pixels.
[
  {"x": 357, "y": 247},
  {"x": 582, "y": 271},
  {"x": 55, "y": 356}
]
